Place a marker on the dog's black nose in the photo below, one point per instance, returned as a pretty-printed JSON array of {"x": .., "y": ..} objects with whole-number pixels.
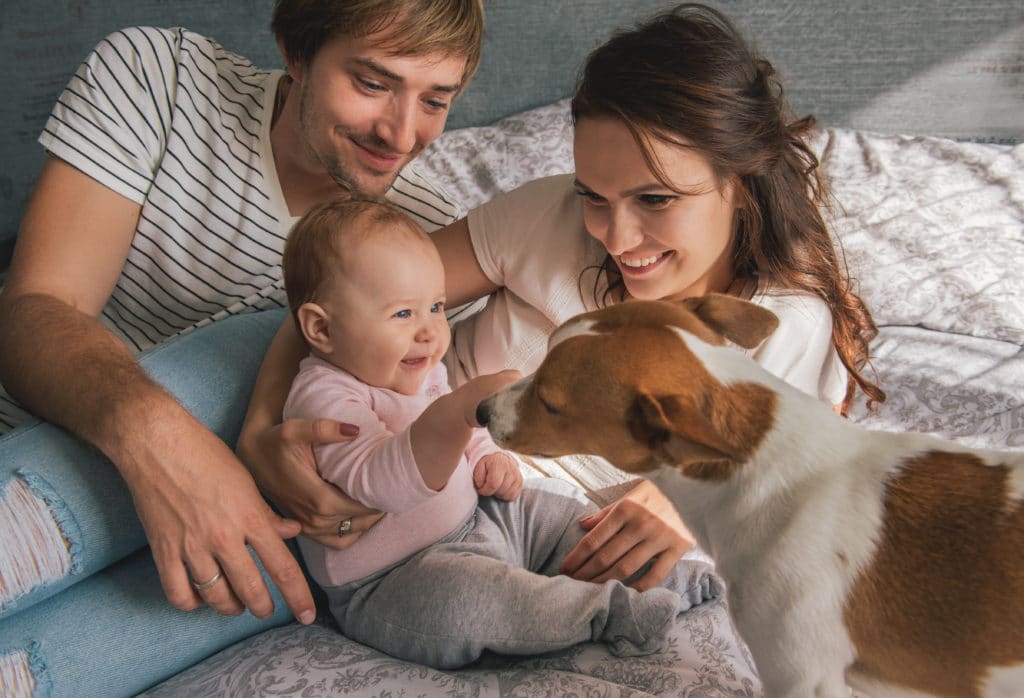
[{"x": 483, "y": 414}]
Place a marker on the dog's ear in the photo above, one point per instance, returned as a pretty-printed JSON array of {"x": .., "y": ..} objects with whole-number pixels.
[
  {"x": 738, "y": 320},
  {"x": 677, "y": 433}
]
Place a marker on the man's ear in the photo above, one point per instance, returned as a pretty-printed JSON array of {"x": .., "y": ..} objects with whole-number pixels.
[
  {"x": 295, "y": 68},
  {"x": 315, "y": 327},
  {"x": 738, "y": 320}
]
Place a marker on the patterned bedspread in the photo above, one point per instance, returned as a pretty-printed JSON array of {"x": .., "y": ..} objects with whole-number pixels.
[{"x": 933, "y": 232}]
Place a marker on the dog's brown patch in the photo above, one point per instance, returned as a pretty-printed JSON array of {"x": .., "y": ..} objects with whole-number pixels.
[
  {"x": 943, "y": 600},
  {"x": 713, "y": 318},
  {"x": 712, "y": 430},
  {"x": 631, "y": 391}
]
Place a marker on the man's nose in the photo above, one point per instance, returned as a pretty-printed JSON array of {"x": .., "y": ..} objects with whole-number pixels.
[{"x": 397, "y": 128}]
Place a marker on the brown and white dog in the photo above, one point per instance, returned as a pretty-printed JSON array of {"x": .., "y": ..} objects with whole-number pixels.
[{"x": 895, "y": 559}]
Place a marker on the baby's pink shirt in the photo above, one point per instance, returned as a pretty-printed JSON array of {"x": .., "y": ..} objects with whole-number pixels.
[{"x": 378, "y": 469}]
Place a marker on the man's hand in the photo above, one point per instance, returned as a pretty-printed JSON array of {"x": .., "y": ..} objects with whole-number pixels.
[
  {"x": 498, "y": 475},
  {"x": 281, "y": 461},
  {"x": 200, "y": 508}
]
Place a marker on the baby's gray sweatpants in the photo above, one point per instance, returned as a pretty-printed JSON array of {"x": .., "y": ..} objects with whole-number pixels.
[{"x": 494, "y": 584}]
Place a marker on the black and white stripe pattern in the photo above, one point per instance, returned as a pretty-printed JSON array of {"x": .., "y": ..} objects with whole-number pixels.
[{"x": 178, "y": 124}]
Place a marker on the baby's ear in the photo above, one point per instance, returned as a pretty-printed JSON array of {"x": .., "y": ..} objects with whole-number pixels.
[{"x": 315, "y": 327}]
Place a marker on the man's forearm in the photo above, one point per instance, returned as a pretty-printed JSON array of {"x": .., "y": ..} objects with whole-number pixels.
[{"x": 65, "y": 367}]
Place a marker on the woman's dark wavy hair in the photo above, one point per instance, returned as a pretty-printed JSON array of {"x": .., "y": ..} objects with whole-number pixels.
[{"x": 689, "y": 78}]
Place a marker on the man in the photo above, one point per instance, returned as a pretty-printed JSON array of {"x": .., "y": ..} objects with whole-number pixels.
[{"x": 175, "y": 172}]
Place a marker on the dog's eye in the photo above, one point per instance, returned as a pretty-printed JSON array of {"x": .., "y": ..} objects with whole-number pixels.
[{"x": 548, "y": 406}]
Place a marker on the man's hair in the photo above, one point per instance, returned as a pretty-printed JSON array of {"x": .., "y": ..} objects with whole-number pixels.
[
  {"x": 413, "y": 27},
  {"x": 316, "y": 246}
]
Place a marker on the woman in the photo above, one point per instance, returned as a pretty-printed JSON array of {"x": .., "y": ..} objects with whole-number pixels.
[{"x": 691, "y": 177}]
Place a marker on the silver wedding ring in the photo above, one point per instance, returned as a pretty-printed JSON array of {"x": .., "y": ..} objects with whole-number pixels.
[
  {"x": 200, "y": 586},
  {"x": 345, "y": 527}
]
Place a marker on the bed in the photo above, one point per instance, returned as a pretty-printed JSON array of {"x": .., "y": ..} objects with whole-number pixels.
[
  {"x": 932, "y": 226},
  {"x": 933, "y": 231}
]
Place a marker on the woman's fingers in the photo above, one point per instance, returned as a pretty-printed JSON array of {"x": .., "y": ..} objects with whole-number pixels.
[
  {"x": 332, "y": 536},
  {"x": 626, "y": 536}
]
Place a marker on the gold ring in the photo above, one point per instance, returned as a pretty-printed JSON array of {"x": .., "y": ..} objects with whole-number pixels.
[
  {"x": 200, "y": 586},
  {"x": 345, "y": 526}
]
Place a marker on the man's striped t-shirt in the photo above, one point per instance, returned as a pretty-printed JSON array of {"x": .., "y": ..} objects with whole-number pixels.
[{"x": 174, "y": 122}]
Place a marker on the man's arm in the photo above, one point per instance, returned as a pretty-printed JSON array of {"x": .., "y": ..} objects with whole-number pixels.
[{"x": 197, "y": 503}]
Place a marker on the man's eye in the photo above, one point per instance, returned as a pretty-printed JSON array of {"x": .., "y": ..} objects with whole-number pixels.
[{"x": 371, "y": 85}]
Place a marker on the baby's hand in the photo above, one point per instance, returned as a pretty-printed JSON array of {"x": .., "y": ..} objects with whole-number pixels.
[{"x": 498, "y": 474}]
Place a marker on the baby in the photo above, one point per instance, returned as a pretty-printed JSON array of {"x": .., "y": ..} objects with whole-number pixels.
[{"x": 446, "y": 573}]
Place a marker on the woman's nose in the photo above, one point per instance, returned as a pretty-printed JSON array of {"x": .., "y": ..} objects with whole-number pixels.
[{"x": 621, "y": 233}]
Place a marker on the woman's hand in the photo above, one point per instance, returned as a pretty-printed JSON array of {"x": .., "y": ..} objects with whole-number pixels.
[
  {"x": 642, "y": 527},
  {"x": 282, "y": 463}
]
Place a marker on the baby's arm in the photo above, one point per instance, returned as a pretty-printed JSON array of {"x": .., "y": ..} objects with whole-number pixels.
[
  {"x": 377, "y": 467},
  {"x": 439, "y": 436}
]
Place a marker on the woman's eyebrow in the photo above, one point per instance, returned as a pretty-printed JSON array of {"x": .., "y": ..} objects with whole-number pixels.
[{"x": 642, "y": 189}]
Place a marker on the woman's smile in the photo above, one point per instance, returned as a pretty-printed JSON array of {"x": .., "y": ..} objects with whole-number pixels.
[{"x": 638, "y": 265}]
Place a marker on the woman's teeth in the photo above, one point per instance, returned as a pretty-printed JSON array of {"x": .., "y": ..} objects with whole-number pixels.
[{"x": 642, "y": 262}]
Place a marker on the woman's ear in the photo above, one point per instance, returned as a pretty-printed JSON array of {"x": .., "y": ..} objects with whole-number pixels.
[{"x": 315, "y": 327}]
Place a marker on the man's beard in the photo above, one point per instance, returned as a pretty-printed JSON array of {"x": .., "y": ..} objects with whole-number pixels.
[{"x": 329, "y": 160}]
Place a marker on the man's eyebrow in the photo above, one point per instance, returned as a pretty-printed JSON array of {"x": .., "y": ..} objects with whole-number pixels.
[{"x": 376, "y": 67}]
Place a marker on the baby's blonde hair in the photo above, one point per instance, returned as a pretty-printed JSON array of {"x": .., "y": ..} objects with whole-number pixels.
[{"x": 316, "y": 247}]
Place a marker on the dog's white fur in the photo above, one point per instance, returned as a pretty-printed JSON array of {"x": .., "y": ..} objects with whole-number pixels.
[{"x": 793, "y": 528}]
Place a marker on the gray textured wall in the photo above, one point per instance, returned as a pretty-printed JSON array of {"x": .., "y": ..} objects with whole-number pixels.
[{"x": 937, "y": 67}]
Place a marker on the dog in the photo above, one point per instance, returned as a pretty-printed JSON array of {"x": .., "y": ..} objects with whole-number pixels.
[{"x": 890, "y": 562}]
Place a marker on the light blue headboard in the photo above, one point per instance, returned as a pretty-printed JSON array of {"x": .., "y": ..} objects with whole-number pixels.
[{"x": 935, "y": 67}]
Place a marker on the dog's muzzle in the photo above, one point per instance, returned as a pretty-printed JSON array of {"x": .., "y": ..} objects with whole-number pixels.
[
  {"x": 498, "y": 413},
  {"x": 483, "y": 412}
]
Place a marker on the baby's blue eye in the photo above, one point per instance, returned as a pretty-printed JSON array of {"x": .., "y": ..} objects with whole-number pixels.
[
  {"x": 404, "y": 313},
  {"x": 437, "y": 307}
]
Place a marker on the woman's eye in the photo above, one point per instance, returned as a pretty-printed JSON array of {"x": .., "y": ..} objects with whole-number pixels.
[
  {"x": 590, "y": 196},
  {"x": 656, "y": 200}
]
